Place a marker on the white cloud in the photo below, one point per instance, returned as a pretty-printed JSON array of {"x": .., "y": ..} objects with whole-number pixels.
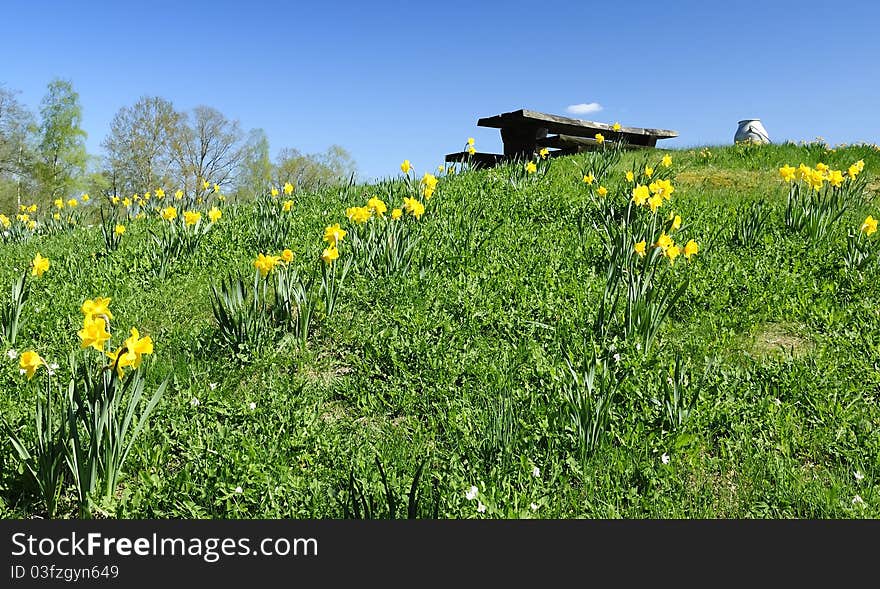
[{"x": 584, "y": 108}]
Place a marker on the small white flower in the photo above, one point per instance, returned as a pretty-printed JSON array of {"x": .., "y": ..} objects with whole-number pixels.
[
  {"x": 212, "y": 385},
  {"x": 858, "y": 500},
  {"x": 22, "y": 371},
  {"x": 536, "y": 472},
  {"x": 859, "y": 476},
  {"x": 638, "y": 346},
  {"x": 616, "y": 357},
  {"x": 471, "y": 493},
  {"x": 239, "y": 490},
  {"x": 12, "y": 353},
  {"x": 665, "y": 458},
  {"x": 252, "y": 406},
  {"x": 534, "y": 506},
  {"x": 480, "y": 507},
  {"x": 194, "y": 402},
  {"x": 53, "y": 366}
]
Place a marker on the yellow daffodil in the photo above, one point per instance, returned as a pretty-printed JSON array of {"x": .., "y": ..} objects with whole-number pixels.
[
  {"x": 615, "y": 127},
  {"x": 119, "y": 230},
  {"x": 664, "y": 242},
  {"x": 835, "y": 178},
  {"x": 415, "y": 208},
  {"x": 676, "y": 223},
  {"x": 33, "y": 208},
  {"x": 588, "y": 179},
  {"x": 97, "y": 307},
  {"x": 330, "y": 254},
  {"x": 666, "y": 161},
  {"x": 214, "y": 214},
  {"x": 672, "y": 252},
  {"x": 178, "y": 195},
  {"x": 4, "y": 220},
  {"x": 602, "y": 191},
  {"x": 147, "y": 195},
  {"x": 379, "y": 207},
  {"x": 663, "y": 188},
  {"x": 396, "y": 214},
  {"x": 333, "y": 234},
  {"x": 640, "y": 194},
  {"x": 655, "y": 202},
  {"x": 115, "y": 200},
  {"x": 802, "y": 172},
  {"x": 630, "y": 177},
  {"x": 531, "y": 168},
  {"x": 59, "y": 203},
  {"x": 471, "y": 150},
  {"x": 72, "y": 202},
  {"x": 274, "y": 191},
  {"x": 358, "y": 214},
  {"x": 544, "y": 153},
  {"x": 286, "y": 206},
  {"x": 287, "y": 256},
  {"x": 405, "y": 167},
  {"x": 31, "y": 225},
  {"x": 191, "y": 217},
  {"x": 640, "y": 248},
  {"x": 690, "y": 249},
  {"x": 649, "y": 171},
  {"x": 816, "y": 179},
  {"x": 205, "y": 185},
  {"x": 160, "y": 193},
  {"x": 869, "y": 225},
  {"x": 85, "y": 198},
  {"x": 39, "y": 265},
  {"x": 29, "y": 361},
  {"x": 266, "y": 264},
  {"x": 134, "y": 348},
  {"x": 288, "y": 188},
  {"x": 600, "y": 139},
  {"x": 216, "y": 188},
  {"x": 126, "y": 202},
  {"x": 470, "y": 141},
  {"x": 787, "y": 172},
  {"x": 168, "y": 213},
  {"x": 94, "y": 333}
]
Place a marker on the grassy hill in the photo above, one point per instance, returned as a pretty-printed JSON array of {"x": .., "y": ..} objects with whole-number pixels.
[{"x": 478, "y": 358}]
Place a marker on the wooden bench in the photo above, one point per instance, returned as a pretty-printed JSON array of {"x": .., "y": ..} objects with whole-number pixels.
[{"x": 524, "y": 132}]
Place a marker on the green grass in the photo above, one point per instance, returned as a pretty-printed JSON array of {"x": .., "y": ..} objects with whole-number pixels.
[{"x": 458, "y": 365}]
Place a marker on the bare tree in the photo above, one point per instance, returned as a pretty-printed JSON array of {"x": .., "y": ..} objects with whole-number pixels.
[
  {"x": 139, "y": 147},
  {"x": 311, "y": 171},
  {"x": 16, "y": 147},
  {"x": 207, "y": 148}
]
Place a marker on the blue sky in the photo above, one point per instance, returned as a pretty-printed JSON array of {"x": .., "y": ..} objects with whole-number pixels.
[{"x": 395, "y": 80}]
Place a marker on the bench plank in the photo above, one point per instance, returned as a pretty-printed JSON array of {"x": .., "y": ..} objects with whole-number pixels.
[
  {"x": 479, "y": 159},
  {"x": 570, "y": 141},
  {"x": 567, "y": 125}
]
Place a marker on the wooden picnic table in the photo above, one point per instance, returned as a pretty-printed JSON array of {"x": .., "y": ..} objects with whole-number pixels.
[{"x": 526, "y": 131}]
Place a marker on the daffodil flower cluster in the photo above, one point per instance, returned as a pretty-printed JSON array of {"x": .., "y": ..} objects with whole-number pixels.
[{"x": 818, "y": 196}]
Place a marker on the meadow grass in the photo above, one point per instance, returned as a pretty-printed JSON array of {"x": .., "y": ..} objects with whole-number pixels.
[{"x": 453, "y": 374}]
